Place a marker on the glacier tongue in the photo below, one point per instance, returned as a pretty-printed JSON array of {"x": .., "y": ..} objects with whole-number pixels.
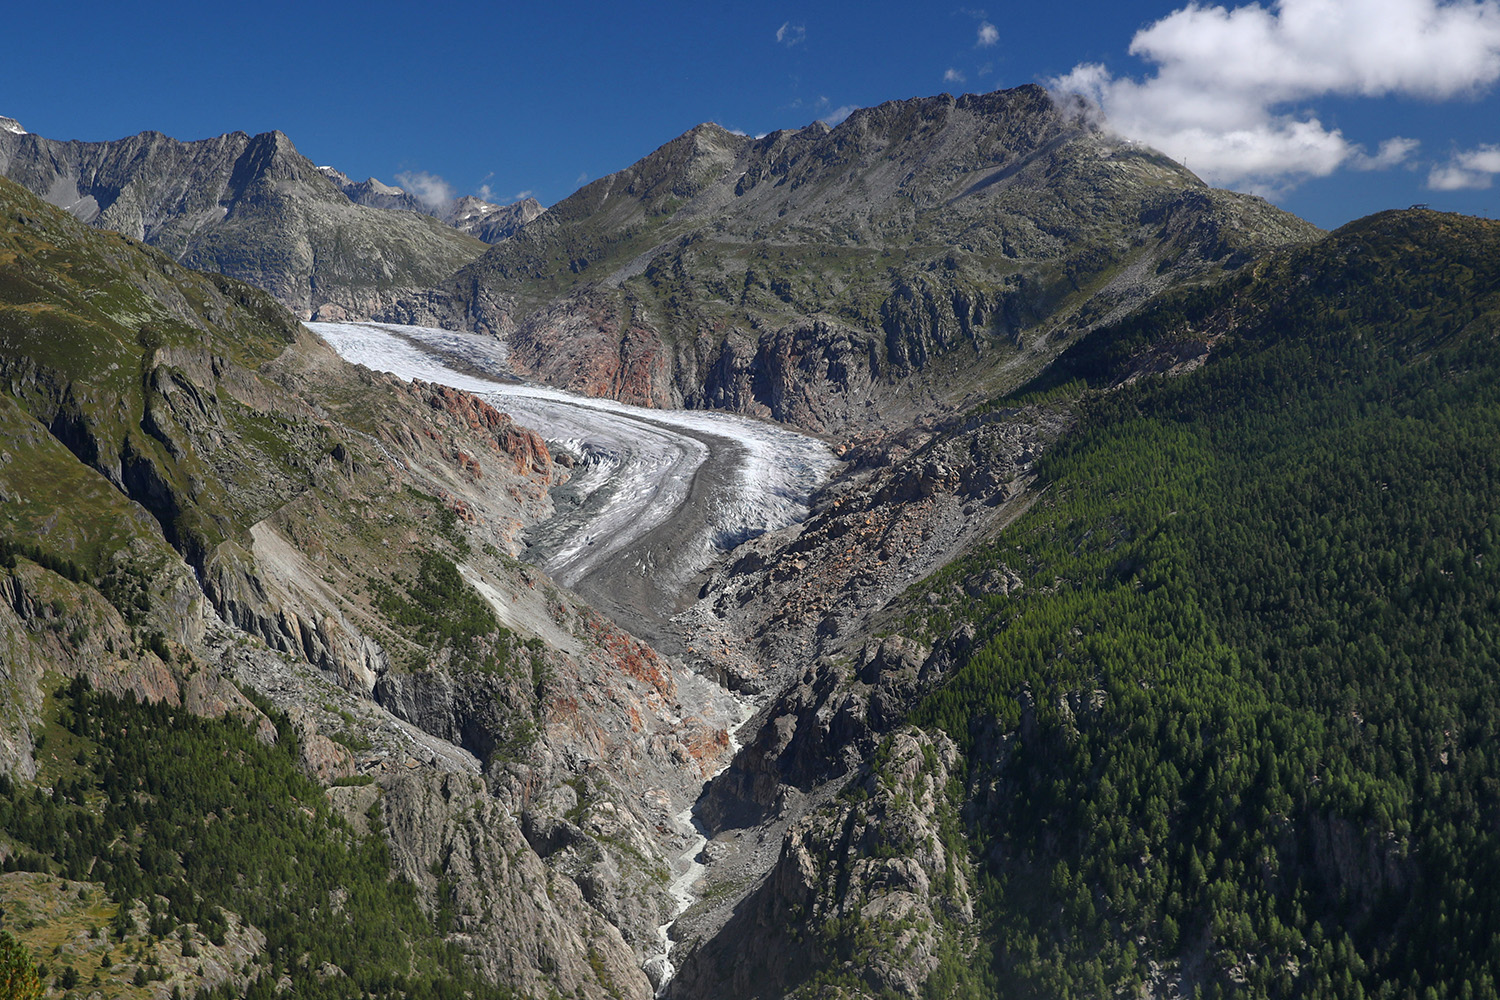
[{"x": 660, "y": 494}]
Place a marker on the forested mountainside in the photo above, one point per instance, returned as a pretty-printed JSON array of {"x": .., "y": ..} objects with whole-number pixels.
[
  {"x": 1216, "y": 716},
  {"x": 248, "y": 207},
  {"x": 263, "y": 726},
  {"x": 925, "y": 253}
]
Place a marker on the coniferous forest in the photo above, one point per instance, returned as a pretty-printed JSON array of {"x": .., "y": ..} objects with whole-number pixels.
[
  {"x": 1244, "y": 713},
  {"x": 192, "y": 817}
]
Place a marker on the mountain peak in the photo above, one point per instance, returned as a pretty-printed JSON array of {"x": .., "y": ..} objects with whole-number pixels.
[
  {"x": 11, "y": 125},
  {"x": 268, "y": 164},
  {"x": 275, "y": 141},
  {"x": 715, "y": 134},
  {"x": 339, "y": 178},
  {"x": 252, "y": 207},
  {"x": 380, "y": 187}
]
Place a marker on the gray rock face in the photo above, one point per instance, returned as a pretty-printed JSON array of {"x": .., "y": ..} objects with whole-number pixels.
[
  {"x": 820, "y": 728},
  {"x": 249, "y": 207},
  {"x": 523, "y": 923},
  {"x": 911, "y": 503},
  {"x": 866, "y": 886}
]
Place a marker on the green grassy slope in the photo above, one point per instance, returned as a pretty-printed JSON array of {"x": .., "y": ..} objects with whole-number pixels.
[
  {"x": 109, "y": 345},
  {"x": 133, "y": 386}
]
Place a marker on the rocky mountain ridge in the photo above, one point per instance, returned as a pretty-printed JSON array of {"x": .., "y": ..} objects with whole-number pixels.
[
  {"x": 486, "y": 220},
  {"x": 916, "y": 258},
  {"x": 1131, "y": 651},
  {"x": 250, "y": 207}
]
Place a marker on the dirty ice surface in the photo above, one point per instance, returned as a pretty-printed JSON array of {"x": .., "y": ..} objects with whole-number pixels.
[{"x": 657, "y": 495}]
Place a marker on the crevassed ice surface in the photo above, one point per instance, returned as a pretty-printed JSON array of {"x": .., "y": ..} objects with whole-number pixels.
[{"x": 639, "y": 464}]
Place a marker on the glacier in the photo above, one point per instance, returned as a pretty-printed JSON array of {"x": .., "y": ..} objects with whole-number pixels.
[{"x": 657, "y": 496}]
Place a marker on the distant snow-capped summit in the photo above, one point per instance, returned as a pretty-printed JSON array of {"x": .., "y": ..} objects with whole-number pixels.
[
  {"x": 486, "y": 220},
  {"x": 11, "y": 125}
]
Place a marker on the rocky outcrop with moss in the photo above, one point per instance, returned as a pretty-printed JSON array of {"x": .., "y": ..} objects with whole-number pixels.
[{"x": 871, "y": 895}]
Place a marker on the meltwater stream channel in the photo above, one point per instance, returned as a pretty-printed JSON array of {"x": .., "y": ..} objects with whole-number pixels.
[{"x": 656, "y": 497}]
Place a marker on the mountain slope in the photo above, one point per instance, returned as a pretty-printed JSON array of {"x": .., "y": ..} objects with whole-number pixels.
[
  {"x": 922, "y": 253},
  {"x": 249, "y": 207},
  {"x": 202, "y": 508},
  {"x": 1202, "y": 702},
  {"x": 1221, "y": 703}
]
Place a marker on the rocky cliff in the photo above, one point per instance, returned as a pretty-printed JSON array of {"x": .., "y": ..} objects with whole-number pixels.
[
  {"x": 250, "y": 207},
  {"x": 871, "y": 894}
]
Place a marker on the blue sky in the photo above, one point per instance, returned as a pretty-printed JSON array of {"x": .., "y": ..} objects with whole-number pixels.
[{"x": 1333, "y": 108}]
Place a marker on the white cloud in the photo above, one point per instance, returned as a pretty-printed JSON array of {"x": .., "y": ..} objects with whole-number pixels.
[
  {"x": 988, "y": 35},
  {"x": 953, "y": 76},
  {"x": 838, "y": 114},
  {"x": 1472, "y": 170},
  {"x": 1224, "y": 80},
  {"x": 1392, "y": 153},
  {"x": 522, "y": 195},
  {"x": 790, "y": 34},
  {"x": 430, "y": 189}
]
